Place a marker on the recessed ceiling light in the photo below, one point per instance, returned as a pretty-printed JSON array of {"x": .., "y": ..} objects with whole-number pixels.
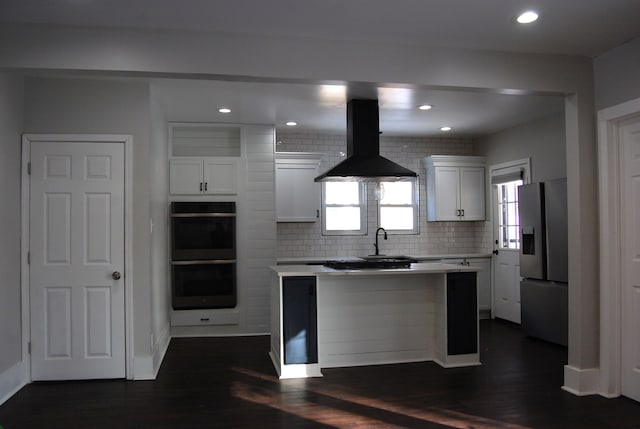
[
  {"x": 425, "y": 107},
  {"x": 445, "y": 128},
  {"x": 291, "y": 124},
  {"x": 224, "y": 110},
  {"x": 527, "y": 17}
]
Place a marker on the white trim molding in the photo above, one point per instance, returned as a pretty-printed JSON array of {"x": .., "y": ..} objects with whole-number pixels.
[
  {"x": 524, "y": 164},
  {"x": 147, "y": 367},
  {"x": 581, "y": 382},
  {"x": 12, "y": 380},
  {"x": 161, "y": 349},
  {"x": 610, "y": 242}
]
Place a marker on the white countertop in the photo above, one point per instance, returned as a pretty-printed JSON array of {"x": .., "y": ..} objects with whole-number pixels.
[
  {"x": 416, "y": 268},
  {"x": 322, "y": 259}
]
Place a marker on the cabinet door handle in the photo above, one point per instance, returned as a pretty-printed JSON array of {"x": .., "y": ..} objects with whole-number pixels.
[
  {"x": 206, "y": 186},
  {"x": 458, "y": 212},
  {"x": 462, "y": 212},
  {"x": 317, "y": 214},
  {"x": 200, "y": 186}
]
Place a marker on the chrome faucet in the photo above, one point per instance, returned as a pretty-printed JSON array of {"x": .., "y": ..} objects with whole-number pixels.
[{"x": 376, "y": 243}]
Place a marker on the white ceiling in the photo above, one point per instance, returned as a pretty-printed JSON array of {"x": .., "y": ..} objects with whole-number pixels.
[
  {"x": 571, "y": 27},
  {"x": 567, "y": 27}
]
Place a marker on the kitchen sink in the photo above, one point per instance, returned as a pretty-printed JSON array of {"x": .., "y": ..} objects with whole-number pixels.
[{"x": 371, "y": 262}]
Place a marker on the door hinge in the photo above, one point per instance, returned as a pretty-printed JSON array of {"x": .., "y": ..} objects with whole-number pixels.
[{"x": 29, "y": 168}]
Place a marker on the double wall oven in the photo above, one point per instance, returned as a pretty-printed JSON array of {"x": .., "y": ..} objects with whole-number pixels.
[{"x": 203, "y": 254}]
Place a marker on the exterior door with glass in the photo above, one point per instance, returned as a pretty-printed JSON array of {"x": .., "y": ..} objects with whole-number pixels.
[{"x": 505, "y": 180}]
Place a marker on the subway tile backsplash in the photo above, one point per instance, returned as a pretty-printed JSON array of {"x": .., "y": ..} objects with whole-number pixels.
[{"x": 306, "y": 239}]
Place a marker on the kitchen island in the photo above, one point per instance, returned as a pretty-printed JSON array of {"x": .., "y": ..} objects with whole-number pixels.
[{"x": 322, "y": 317}]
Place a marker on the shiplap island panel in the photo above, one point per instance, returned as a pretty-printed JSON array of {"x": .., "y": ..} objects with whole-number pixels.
[{"x": 428, "y": 312}]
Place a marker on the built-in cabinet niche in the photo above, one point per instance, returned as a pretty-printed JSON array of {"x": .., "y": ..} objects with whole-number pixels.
[
  {"x": 455, "y": 188},
  {"x": 297, "y": 195},
  {"x": 205, "y": 167},
  {"x": 203, "y": 159}
]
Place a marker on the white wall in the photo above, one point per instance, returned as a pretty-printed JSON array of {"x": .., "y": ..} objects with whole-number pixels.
[
  {"x": 542, "y": 140},
  {"x": 104, "y": 106},
  {"x": 158, "y": 211},
  {"x": 11, "y": 109},
  {"x": 617, "y": 75},
  {"x": 435, "y": 238},
  {"x": 221, "y": 55}
]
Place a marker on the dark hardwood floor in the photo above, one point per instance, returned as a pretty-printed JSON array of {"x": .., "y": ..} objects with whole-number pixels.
[{"x": 230, "y": 383}]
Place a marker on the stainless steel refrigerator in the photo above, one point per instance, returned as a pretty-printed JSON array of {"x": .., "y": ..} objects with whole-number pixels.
[{"x": 543, "y": 260}]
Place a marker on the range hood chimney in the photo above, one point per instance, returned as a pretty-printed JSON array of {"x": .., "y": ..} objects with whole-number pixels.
[{"x": 363, "y": 162}]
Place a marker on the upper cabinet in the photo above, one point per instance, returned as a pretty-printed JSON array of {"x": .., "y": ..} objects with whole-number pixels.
[
  {"x": 297, "y": 195},
  {"x": 204, "y": 158},
  {"x": 195, "y": 176},
  {"x": 455, "y": 188}
]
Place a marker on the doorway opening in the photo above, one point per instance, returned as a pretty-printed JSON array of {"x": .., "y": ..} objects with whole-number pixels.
[{"x": 505, "y": 180}]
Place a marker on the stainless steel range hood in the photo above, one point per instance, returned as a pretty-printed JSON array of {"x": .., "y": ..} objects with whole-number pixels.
[{"x": 364, "y": 163}]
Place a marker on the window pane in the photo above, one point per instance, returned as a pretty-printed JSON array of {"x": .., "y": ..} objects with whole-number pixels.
[
  {"x": 514, "y": 239},
  {"x": 396, "y": 192},
  {"x": 504, "y": 238},
  {"x": 342, "y": 218},
  {"x": 512, "y": 190},
  {"x": 512, "y": 214},
  {"x": 508, "y": 216},
  {"x": 341, "y": 193},
  {"x": 396, "y": 218}
]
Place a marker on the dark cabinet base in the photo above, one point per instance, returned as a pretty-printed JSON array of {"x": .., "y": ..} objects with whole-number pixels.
[
  {"x": 299, "y": 320},
  {"x": 462, "y": 314}
]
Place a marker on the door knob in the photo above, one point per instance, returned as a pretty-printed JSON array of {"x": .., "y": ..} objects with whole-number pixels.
[
  {"x": 495, "y": 252},
  {"x": 116, "y": 275}
]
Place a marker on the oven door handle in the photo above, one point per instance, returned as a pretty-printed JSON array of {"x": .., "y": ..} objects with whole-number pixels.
[
  {"x": 205, "y": 262},
  {"x": 203, "y": 215}
]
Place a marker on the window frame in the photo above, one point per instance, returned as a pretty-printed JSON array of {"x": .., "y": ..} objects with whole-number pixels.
[
  {"x": 415, "y": 205},
  {"x": 502, "y": 216},
  {"x": 503, "y": 173},
  {"x": 362, "y": 193}
]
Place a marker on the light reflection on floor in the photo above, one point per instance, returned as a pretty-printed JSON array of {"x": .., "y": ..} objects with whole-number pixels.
[{"x": 336, "y": 418}]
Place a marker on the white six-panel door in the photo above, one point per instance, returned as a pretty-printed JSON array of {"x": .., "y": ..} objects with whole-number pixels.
[
  {"x": 630, "y": 294},
  {"x": 76, "y": 250}
]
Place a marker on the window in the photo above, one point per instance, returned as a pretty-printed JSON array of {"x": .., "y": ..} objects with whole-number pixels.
[
  {"x": 398, "y": 207},
  {"x": 344, "y": 208},
  {"x": 508, "y": 216}
]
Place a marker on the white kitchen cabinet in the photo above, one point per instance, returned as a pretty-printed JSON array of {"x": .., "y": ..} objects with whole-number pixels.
[
  {"x": 297, "y": 195},
  {"x": 455, "y": 188},
  {"x": 483, "y": 279},
  {"x": 204, "y": 317},
  {"x": 203, "y": 176},
  {"x": 203, "y": 158}
]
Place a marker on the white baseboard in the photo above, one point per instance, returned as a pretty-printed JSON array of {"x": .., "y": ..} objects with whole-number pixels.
[
  {"x": 11, "y": 381},
  {"x": 161, "y": 349},
  {"x": 147, "y": 367},
  {"x": 581, "y": 382},
  {"x": 143, "y": 368}
]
